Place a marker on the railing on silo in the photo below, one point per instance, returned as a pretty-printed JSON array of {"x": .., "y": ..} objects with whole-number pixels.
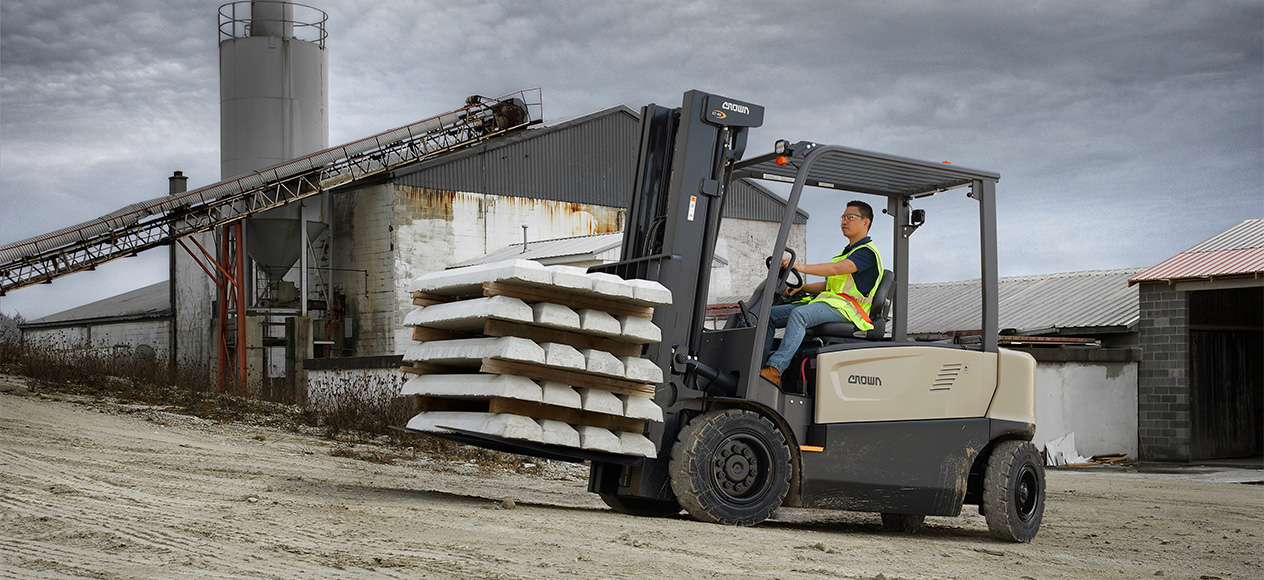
[{"x": 268, "y": 17}]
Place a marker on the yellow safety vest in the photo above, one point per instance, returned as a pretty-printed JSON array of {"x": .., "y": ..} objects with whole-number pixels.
[{"x": 841, "y": 292}]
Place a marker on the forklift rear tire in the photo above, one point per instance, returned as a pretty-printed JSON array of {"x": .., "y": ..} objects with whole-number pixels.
[
  {"x": 730, "y": 467},
  {"x": 641, "y": 506},
  {"x": 1014, "y": 491},
  {"x": 902, "y": 523}
]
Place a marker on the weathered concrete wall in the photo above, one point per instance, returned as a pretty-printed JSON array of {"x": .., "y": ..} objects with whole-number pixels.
[
  {"x": 745, "y": 244},
  {"x": 1163, "y": 383},
  {"x": 1095, "y": 400},
  {"x": 123, "y": 336},
  {"x": 194, "y": 295},
  {"x": 333, "y": 388},
  {"x": 363, "y": 240}
]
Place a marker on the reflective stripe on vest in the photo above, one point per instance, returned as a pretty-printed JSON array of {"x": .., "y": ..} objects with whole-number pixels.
[{"x": 841, "y": 292}]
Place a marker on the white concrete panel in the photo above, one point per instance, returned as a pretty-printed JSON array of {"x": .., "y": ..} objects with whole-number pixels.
[
  {"x": 469, "y": 280},
  {"x": 563, "y": 356},
  {"x": 650, "y": 292},
  {"x": 636, "y": 444},
  {"x": 476, "y": 385},
  {"x": 472, "y": 350},
  {"x": 572, "y": 279},
  {"x": 561, "y": 395},
  {"x": 602, "y": 363},
  {"x": 641, "y": 408},
  {"x": 599, "y": 401},
  {"x": 639, "y": 330},
  {"x": 612, "y": 287},
  {"x": 469, "y": 315},
  {"x": 555, "y": 316},
  {"x": 413, "y": 317},
  {"x": 558, "y": 433},
  {"x": 600, "y": 323},
  {"x": 641, "y": 370},
  {"x": 499, "y": 424},
  {"x": 598, "y": 439}
]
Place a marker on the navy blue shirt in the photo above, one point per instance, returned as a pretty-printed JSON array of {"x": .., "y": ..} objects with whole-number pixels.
[{"x": 866, "y": 265}]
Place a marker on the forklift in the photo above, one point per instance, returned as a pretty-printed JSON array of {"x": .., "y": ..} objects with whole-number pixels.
[{"x": 862, "y": 420}]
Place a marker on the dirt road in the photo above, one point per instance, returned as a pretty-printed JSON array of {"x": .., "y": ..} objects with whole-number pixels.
[{"x": 111, "y": 491}]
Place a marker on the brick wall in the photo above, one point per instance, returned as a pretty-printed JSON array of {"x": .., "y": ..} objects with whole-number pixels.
[{"x": 1163, "y": 413}]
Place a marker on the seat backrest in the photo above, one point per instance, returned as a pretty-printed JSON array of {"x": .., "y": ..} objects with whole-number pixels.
[{"x": 881, "y": 304}]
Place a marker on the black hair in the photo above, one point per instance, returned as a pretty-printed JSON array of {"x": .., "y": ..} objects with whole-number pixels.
[{"x": 865, "y": 211}]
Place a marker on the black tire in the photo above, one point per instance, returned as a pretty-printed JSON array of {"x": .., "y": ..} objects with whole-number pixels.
[
  {"x": 1014, "y": 491},
  {"x": 641, "y": 506},
  {"x": 730, "y": 467},
  {"x": 902, "y": 523}
]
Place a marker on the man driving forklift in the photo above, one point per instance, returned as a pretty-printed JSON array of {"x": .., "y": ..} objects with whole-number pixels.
[{"x": 845, "y": 296}]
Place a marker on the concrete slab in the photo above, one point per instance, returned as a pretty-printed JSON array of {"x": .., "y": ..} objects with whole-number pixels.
[
  {"x": 612, "y": 287},
  {"x": 469, "y": 315},
  {"x": 469, "y": 280},
  {"x": 563, "y": 355},
  {"x": 571, "y": 278},
  {"x": 555, "y": 316},
  {"x": 499, "y": 424},
  {"x": 602, "y": 363},
  {"x": 599, "y": 401},
  {"x": 600, "y": 323},
  {"x": 558, "y": 433},
  {"x": 471, "y": 351},
  {"x": 476, "y": 385},
  {"x": 598, "y": 439},
  {"x": 650, "y": 292},
  {"x": 641, "y": 408},
  {"x": 561, "y": 395},
  {"x": 413, "y": 315},
  {"x": 639, "y": 330},
  {"x": 641, "y": 370},
  {"x": 636, "y": 444}
]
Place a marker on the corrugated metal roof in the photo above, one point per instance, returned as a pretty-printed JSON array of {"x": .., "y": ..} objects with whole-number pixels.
[
  {"x": 153, "y": 301},
  {"x": 1030, "y": 304},
  {"x": 587, "y": 246},
  {"x": 583, "y": 159},
  {"x": 1235, "y": 252}
]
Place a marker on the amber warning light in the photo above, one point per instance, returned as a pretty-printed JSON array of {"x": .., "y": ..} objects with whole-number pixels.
[{"x": 783, "y": 160}]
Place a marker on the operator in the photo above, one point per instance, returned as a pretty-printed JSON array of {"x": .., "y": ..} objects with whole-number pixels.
[{"x": 845, "y": 296}]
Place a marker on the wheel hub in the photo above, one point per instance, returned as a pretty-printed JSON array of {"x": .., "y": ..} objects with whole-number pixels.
[{"x": 736, "y": 469}]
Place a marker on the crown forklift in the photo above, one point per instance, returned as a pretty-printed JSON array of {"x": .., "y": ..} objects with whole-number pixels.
[{"x": 863, "y": 421}]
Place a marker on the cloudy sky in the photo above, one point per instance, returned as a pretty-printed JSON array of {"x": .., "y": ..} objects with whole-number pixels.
[{"x": 1124, "y": 131}]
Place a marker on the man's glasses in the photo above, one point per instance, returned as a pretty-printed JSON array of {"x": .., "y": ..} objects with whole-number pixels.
[{"x": 851, "y": 216}]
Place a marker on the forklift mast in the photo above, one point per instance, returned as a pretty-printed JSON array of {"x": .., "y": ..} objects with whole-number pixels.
[{"x": 682, "y": 176}]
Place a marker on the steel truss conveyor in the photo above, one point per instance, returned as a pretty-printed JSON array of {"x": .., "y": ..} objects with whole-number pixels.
[{"x": 162, "y": 221}]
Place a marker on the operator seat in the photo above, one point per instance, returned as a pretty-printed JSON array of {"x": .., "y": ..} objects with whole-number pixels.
[{"x": 836, "y": 332}]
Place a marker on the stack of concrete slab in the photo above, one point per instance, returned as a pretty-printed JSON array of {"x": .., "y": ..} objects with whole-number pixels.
[{"x": 547, "y": 354}]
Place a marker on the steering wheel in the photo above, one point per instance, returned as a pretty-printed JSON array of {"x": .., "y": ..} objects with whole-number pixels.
[{"x": 783, "y": 278}]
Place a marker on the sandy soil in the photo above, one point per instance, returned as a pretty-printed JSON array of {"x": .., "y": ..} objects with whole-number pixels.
[{"x": 93, "y": 490}]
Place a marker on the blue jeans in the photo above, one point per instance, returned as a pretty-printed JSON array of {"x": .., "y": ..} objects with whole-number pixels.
[{"x": 796, "y": 319}]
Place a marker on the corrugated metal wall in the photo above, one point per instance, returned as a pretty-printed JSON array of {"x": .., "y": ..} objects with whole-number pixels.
[{"x": 590, "y": 159}]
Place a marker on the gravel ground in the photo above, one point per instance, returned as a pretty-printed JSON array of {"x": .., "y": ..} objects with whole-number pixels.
[{"x": 91, "y": 489}]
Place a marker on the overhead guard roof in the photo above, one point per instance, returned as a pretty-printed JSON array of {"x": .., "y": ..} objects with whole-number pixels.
[{"x": 845, "y": 168}]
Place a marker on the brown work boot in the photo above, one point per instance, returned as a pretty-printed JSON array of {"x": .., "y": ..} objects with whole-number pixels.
[{"x": 772, "y": 374}]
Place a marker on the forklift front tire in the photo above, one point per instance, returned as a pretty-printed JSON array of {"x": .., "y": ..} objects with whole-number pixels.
[
  {"x": 730, "y": 467},
  {"x": 1014, "y": 491}
]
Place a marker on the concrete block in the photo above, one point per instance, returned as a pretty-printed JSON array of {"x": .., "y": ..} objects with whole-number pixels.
[
  {"x": 558, "y": 433},
  {"x": 602, "y": 363},
  {"x": 474, "y": 385},
  {"x": 469, "y": 315},
  {"x": 469, "y": 280},
  {"x": 599, "y": 401},
  {"x": 499, "y": 424},
  {"x": 612, "y": 287},
  {"x": 413, "y": 315},
  {"x": 599, "y": 322},
  {"x": 641, "y": 370},
  {"x": 561, "y": 395},
  {"x": 598, "y": 439},
  {"x": 555, "y": 316},
  {"x": 470, "y": 351},
  {"x": 639, "y": 330},
  {"x": 571, "y": 278},
  {"x": 636, "y": 444},
  {"x": 563, "y": 355},
  {"x": 641, "y": 408},
  {"x": 649, "y": 292}
]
